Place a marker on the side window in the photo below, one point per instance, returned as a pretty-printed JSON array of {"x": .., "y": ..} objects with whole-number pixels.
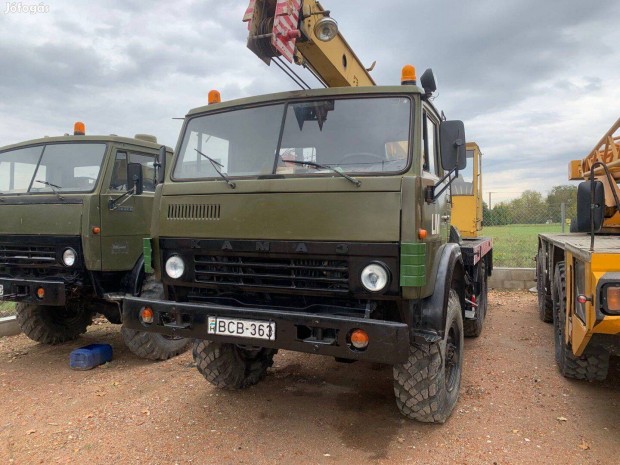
[
  {"x": 429, "y": 147},
  {"x": 148, "y": 169},
  {"x": 119, "y": 172}
]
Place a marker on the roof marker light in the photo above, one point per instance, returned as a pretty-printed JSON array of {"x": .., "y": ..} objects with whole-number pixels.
[
  {"x": 214, "y": 97},
  {"x": 407, "y": 76},
  {"x": 79, "y": 129}
]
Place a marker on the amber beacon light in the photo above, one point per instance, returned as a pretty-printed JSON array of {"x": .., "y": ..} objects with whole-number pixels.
[
  {"x": 214, "y": 97},
  {"x": 79, "y": 129}
]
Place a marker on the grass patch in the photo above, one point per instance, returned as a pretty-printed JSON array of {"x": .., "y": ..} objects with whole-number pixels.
[
  {"x": 516, "y": 245},
  {"x": 7, "y": 309}
]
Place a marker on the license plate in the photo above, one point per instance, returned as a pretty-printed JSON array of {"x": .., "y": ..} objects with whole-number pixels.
[
  {"x": 242, "y": 328},
  {"x": 1, "y": 289}
]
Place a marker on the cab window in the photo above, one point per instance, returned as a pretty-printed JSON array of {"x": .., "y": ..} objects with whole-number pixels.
[
  {"x": 429, "y": 147},
  {"x": 119, "y": 172}
]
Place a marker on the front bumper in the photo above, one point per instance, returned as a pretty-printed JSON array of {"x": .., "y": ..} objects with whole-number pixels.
[
  {"x": 25, "y": 290},
  {"x": 388, "y": 341}
]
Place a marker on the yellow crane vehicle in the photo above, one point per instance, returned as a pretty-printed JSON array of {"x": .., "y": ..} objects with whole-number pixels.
[{"x": 578, "y": 273}]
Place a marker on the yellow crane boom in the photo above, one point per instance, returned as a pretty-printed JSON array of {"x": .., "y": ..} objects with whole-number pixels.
[{"x": 302, "y": 31}]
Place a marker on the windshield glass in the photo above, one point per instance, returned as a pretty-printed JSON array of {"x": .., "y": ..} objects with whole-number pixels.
[
  {"x": 369, "y": 135},
  {"x": 67, "y": 167}
]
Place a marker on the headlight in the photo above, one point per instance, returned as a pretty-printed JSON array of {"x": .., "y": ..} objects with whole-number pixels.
[
  {"x": 375, "y": 277},
  {"x": 175, "y": 267},
  {"x": 68, "y": 257}
]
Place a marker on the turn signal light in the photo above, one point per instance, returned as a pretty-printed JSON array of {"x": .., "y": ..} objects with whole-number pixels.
[
  {"x": 146, "y": 315},
  {"x": 359, "y": 339},
  {"x": 407, "y": 75},
  {"x": 214, "y": 97},
  {"x": 79, "y": 129},
  {"x": 613, "y": 298},
  {"x": 96, "y": 229},
  {"x": 40, "y": 293},
  {"x": 422, "y": 234}
]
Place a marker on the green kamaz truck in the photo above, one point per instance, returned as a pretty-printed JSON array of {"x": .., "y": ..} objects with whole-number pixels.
[
  {"x": 74, "y": 212},
  {"x": 318, "y": 221}
]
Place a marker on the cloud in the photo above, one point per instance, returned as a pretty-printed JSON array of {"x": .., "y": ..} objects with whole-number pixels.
[{"x": 535, "y": 83}]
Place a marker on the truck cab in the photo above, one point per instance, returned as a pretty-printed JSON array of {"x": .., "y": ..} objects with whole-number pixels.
[{"x": 74, "y": 211}]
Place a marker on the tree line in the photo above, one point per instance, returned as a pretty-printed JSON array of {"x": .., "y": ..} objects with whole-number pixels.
[{"x": 532, "y": 208}]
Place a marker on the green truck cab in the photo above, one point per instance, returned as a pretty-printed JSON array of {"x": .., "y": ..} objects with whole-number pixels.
[
  {"x": 317, "y": 221},
  {"x": 74, "y": 213}
]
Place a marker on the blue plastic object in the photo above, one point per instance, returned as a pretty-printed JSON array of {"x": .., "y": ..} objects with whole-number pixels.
[{"x": 90, "y": 356}]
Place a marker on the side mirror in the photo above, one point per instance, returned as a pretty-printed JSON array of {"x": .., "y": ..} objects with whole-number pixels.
[
  {"x": 134, "y": 178},
  {"x": 584, "y": 205},
  {"x": 452, "y": 144},
  {"x": 160, "y": 166}
]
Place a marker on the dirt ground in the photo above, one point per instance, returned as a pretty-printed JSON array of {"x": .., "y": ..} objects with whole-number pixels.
[{"x": 514, "y": 407}]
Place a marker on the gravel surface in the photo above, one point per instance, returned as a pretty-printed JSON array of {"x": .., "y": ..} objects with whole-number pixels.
[{"x": 514, "y": 407}]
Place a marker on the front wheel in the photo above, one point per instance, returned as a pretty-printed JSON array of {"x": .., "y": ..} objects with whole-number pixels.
[
  {"x": 229, "y": 366},
  {"x": 427, "y": 384},
  {"x": 153, "y": 346},
  {"x": 50, "y": 324}
]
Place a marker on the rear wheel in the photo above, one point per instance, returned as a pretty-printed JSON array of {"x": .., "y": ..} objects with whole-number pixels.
[
  {"x": 50, "y": 324},
  {"x": 545, "y": 302},
  {"x": 229, "y": 366},
  {"x": 427, "y": 384},
  {"x": 153, "y": 346},
  {"x": 594, "y": 363},
  {"x": 473, "y": 328}
]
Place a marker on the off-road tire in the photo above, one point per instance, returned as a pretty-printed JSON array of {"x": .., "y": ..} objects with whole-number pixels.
[
  {"x": 473, "y": 328},
  {"x": 229, "y": 366},
  {"x": 49, "y": 324},
  {"x": 153, "y": 346},
  {"x": 545, "y": 300},
  {"x": 427, "y": 384},
  {"x": 594, "y": 363}
]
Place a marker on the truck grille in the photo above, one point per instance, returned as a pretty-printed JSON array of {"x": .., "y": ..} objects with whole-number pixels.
[
  {"x": 27, "y": 255},
  {"x": 273, "y": 273}
]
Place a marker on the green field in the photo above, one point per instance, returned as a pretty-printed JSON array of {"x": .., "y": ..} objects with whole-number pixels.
[
  {"x": 516, "y": 245},
  {"x": 7, "y": 309}
]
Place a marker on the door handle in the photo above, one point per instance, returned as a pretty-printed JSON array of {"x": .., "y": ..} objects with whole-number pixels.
[{"x": 445, "y": 217}]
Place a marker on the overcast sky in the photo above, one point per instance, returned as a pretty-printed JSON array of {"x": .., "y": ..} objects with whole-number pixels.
[{"x": 537, "y": 83}]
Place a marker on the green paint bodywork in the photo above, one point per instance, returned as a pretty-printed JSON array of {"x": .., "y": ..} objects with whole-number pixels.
[
  {"x": 148, "y": 254},
  {"x": 412, "y": 264}
]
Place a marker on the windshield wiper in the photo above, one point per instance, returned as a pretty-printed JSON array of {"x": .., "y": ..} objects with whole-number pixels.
[
  {"x": 54, "y": 188},
  {"x": 215, "y": 165},
  {"x": 338, "y": 171}
]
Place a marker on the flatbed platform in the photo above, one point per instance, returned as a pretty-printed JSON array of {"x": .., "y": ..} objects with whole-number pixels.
[
  {"x": 579, "y": 243},
  {"x": 476, "y": 248}
]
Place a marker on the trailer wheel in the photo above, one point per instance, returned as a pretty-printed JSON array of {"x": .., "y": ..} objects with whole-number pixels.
[
  {"x": 427, "y": 384},
  {"x": 229, "y": 366},
  {"x": 594, "y": 363},
  {"x": 545, "y": 301},
  {"x": 49, "y": 324},
  {"x": 473, "y": 328},
  {"x": 153, "y": 346}
]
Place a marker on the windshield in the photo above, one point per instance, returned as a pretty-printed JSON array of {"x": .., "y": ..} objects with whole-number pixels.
[
  {"x": 67, "y": 167},
  {"x": 369, "y": 135}
]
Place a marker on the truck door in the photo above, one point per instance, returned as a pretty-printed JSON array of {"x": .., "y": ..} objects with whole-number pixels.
[
  {"x": 124, "y": 226},
  {"x": 436, "y": 215}
]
